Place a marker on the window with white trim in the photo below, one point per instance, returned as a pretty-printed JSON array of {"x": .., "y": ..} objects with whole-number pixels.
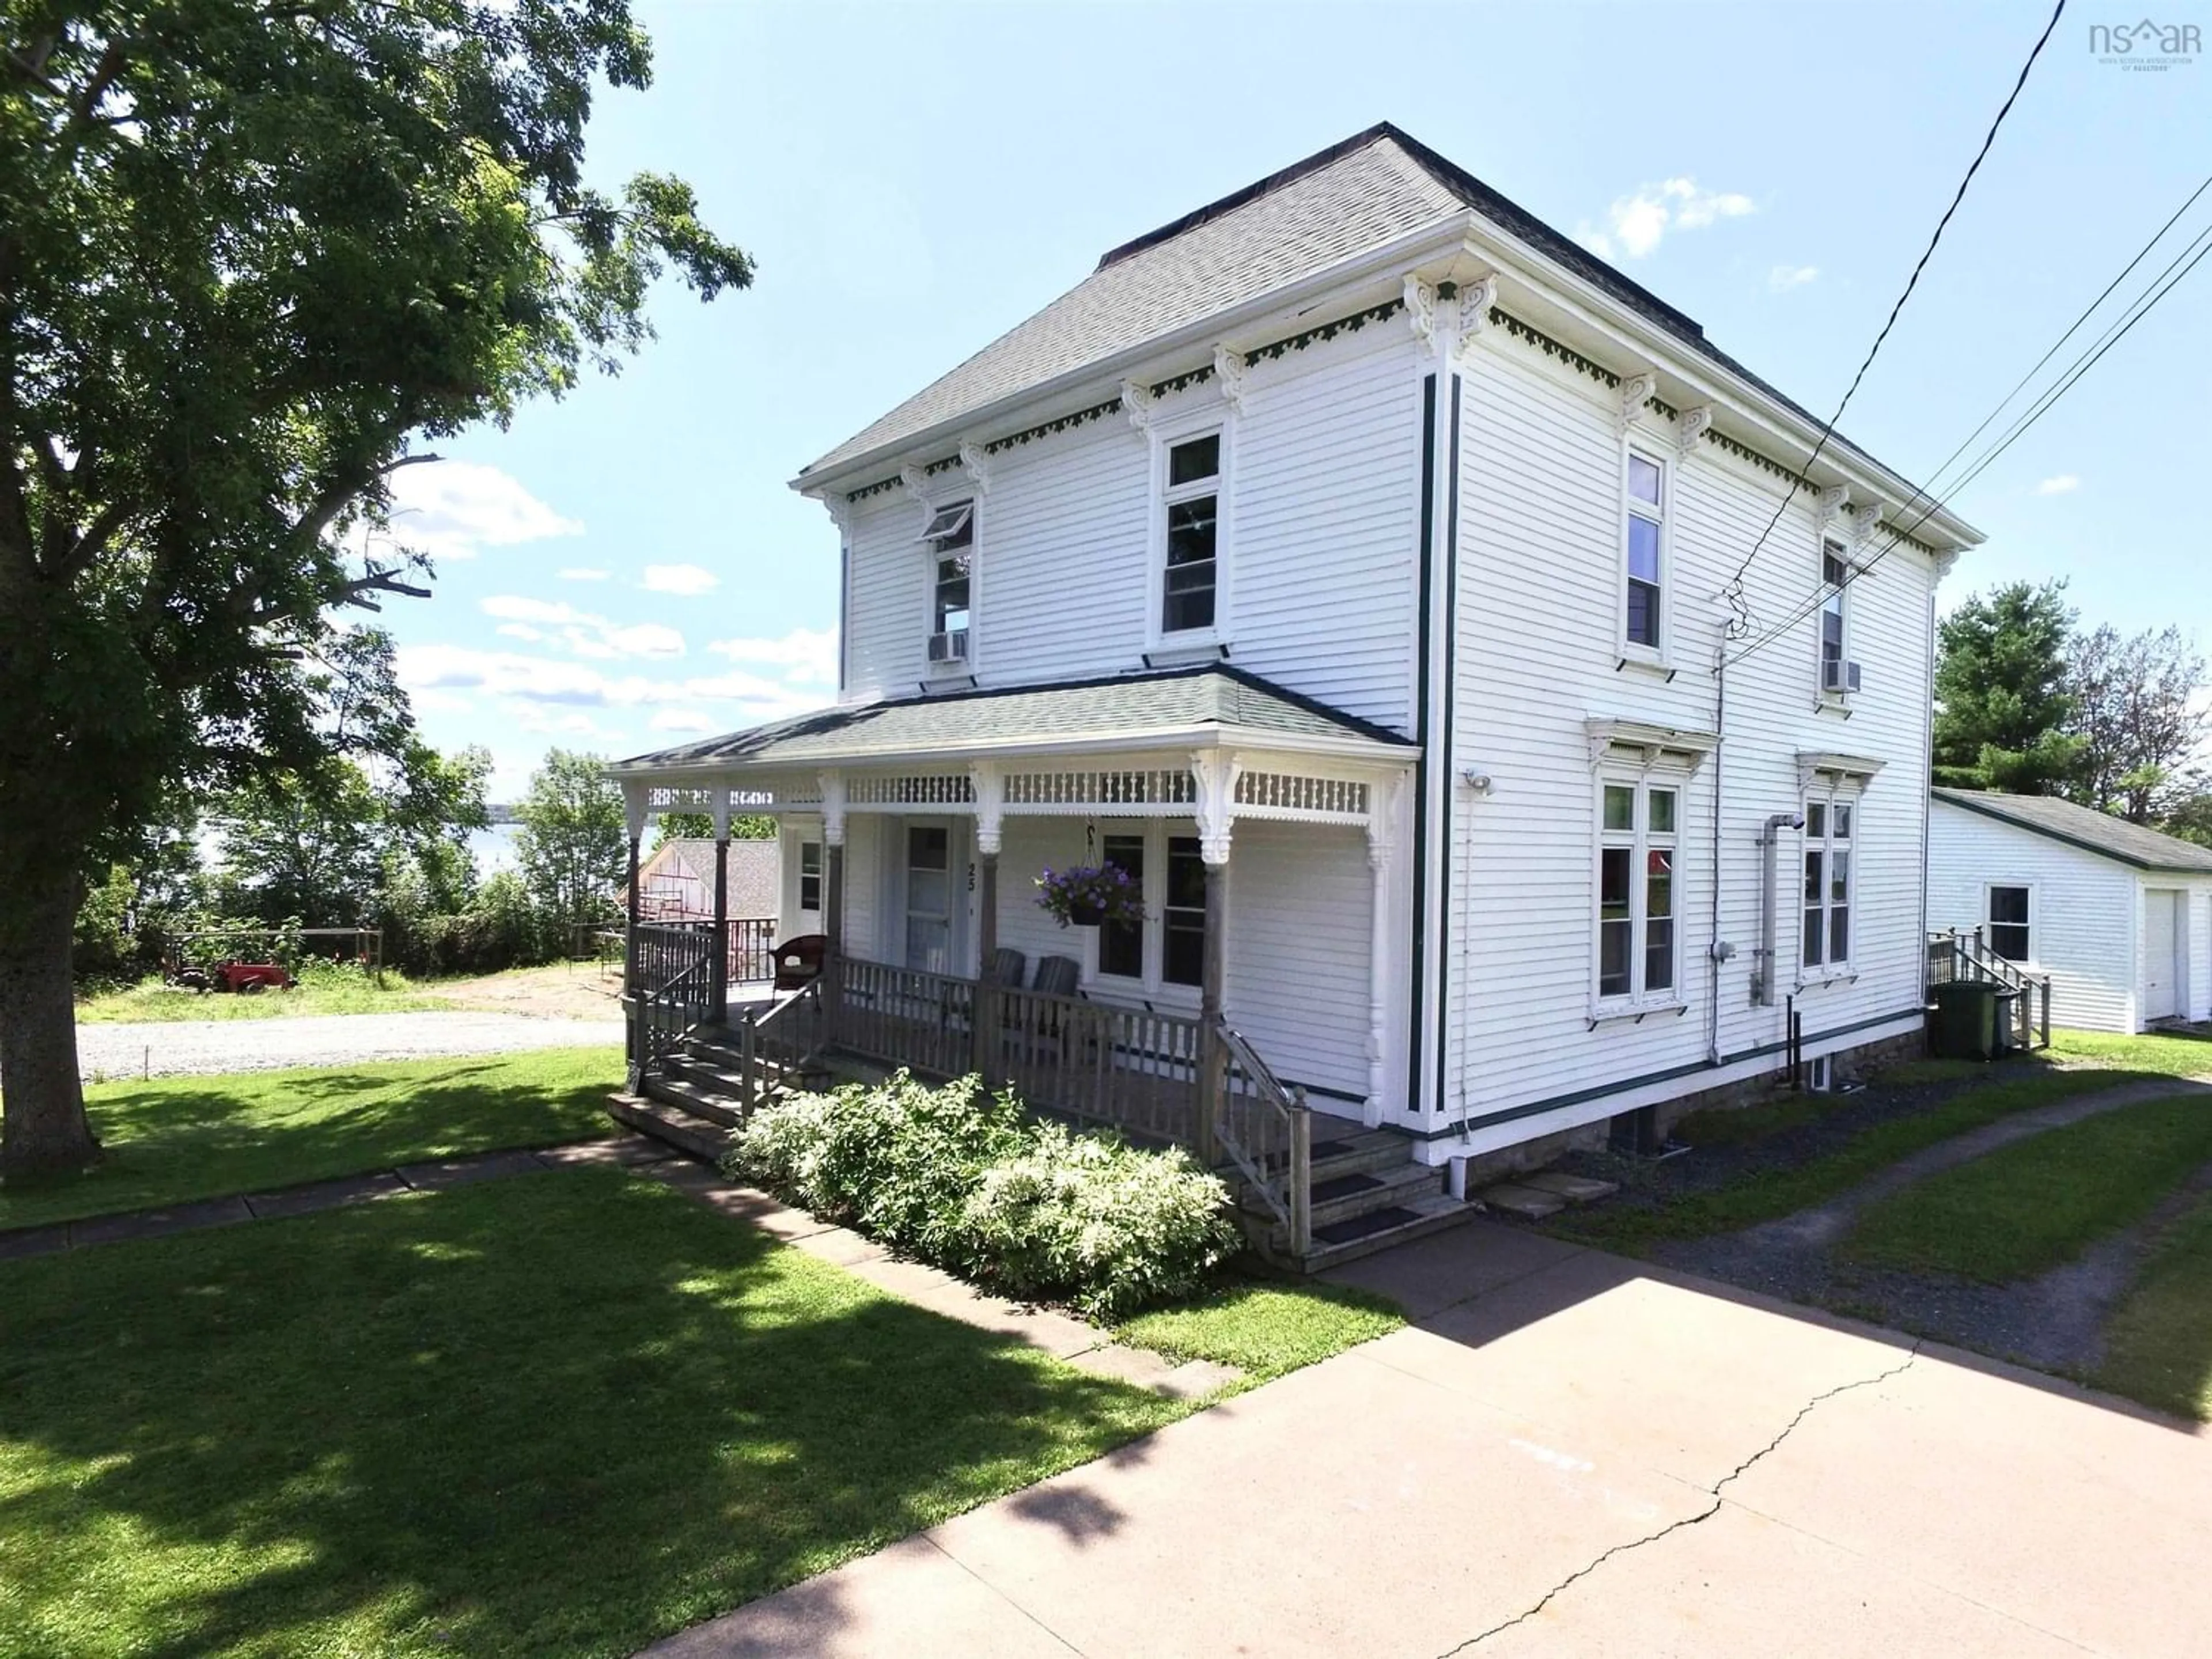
[
  {"x": 810, "y": 875},
  {"x": 1644, "y": 549},
  {"x": 1637, "y": 898},
  {"x": 1830, "y": 824},
  {"x": 950, "y": 539},
  {"x": 1835, "y": 586},
  {"x": 1168, "y": 947},
  {"x": 2012, "y": 922},
  {"x": 1191, "y": 501}
]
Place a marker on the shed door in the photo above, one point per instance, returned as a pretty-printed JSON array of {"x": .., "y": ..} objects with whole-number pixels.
[{"x": 2161, "y": 942}]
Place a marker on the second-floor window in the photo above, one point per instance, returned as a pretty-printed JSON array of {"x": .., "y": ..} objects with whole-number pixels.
[
  {"x": 1835, "y": 581},
  {"x": 951, "y": 538},
  {"x": 1192, "y": 505},
  {"x": 1645, "y": 550}
]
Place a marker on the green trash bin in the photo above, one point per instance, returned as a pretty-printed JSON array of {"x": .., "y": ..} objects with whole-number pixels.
[{"x": 1967, "y": 1019}]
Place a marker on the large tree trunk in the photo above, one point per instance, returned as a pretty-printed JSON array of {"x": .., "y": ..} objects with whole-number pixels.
[{"x": 43, "y": 1129}]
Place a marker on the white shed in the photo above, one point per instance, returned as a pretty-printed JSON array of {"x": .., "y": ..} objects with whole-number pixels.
[{"x": 2119, "y": 916}]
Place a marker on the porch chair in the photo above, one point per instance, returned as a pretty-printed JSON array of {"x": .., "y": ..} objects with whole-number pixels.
[
  {"x": 798, "y": 961},
  {"x": 1010, "y": 966}
]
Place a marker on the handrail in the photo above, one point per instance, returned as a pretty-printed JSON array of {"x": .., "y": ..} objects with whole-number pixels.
[
  {"x": 665, "y": 1014},
  {"x": 1268, "y": 1132},
  {"x": 1956, "y": 951}
]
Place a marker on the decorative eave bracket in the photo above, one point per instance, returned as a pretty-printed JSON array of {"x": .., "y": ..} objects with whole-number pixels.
[
  {"x": 1646, "y": 745},
  {"x": 1635, "y": 390},
  {"x": 1835, "y": 771}
]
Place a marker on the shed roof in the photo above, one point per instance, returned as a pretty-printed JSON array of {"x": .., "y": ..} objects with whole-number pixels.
[
  {"x": 2085, "y": 829},
  {"x": 1354, "y": 198},
  {"x": 1215, "y": 700}
]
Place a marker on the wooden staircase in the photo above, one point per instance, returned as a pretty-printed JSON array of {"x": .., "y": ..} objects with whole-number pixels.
[{"x": 1367, "y": 1194}]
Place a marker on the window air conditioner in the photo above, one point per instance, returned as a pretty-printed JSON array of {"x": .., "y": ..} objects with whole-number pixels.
[
  {"x": 1839, "y": 676},
  {"x": 949, "y": 647}
]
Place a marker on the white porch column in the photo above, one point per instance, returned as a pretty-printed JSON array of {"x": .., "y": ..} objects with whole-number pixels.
[
  {"x": 1382, "y": 816},
  {"x": 1215, "y": 774}
]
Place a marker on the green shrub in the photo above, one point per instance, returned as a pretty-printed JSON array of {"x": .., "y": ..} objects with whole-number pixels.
[
  {"x": 968, "y": 1180},
  {"x": 1097, "y": 1223}
]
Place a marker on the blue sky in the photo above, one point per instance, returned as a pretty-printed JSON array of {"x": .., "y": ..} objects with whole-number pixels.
[{"x": 628, "y": 568}]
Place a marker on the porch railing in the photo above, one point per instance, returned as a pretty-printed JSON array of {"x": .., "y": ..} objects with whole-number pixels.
[
  {"x": 749, "y": 949},
  {"x": 1268, "y": 1132},
  {"x": 777, "y": 1043},
  {"x": 1954, "y": 956},
  {"x": 665, "y": 1015},
  {"x": 1128, "y": 1069},
  {"x": 904, "y": 1017}
]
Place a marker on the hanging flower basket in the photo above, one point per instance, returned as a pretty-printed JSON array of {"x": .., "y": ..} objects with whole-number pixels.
[{"x": 1090, "y": 896}]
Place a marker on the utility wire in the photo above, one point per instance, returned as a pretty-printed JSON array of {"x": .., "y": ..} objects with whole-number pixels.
[
  {"x": 2201, "y": 245},
  {"x": 1804, "y": 608},
  {"x": 1741, "y": 622}
]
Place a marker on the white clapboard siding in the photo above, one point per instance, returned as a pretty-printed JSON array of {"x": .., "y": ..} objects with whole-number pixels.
[
  {"x": 1300, "y": 901},
  {"x": 2082, "y": 911},
  {"x": 1538, "y": 641},
  {"x": 1321, "y": 521}
]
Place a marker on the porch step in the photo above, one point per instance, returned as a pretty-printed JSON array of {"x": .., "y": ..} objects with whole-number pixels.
[
  {"x": 698, "y": 1101},
  {"x": 1351, "y": 1238},
  {"x": 1344, "y": 1196},
  {"x": 695, "y": 1137}
]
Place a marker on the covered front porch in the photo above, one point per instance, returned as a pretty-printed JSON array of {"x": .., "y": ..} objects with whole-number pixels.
[{"x": 1262, "y": 984}]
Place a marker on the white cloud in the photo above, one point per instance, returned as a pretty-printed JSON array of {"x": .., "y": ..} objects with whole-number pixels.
[
  {"x": 585, "y": 575},
  {"x": 809, "y": 655},
  {"x": 571, "y": 684},
  {"x": 688, "y": 579},
  {"x": 682, "y": 720},
  {"x": 455, "y": 509},
  {"x": 2064, "y": 484},
  {"x": 1636, "y": 223},
  {"x": 1783, "y": 279},
  {"x": 583, "y": 633}
]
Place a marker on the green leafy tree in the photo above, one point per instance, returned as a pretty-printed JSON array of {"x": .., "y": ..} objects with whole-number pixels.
[
  {"x": 574, "y": 842},
  {"x": 2002, "y": 707},
  {"x": 254, "y": 256},
  {"x": 700, "y": 826},
  {"x": 2190, "y": 817},
  {"x": 2139, "y": 711}
]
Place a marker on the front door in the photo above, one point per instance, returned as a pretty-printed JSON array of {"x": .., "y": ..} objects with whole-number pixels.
[
  {"x": 2161, "y": 943},
  {"x": 929, "y": 897}
]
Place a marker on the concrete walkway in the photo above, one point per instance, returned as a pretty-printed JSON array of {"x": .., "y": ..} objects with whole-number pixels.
[
  {"x": 172, "y": 1047},
  {"x": 1569, "y": 1454}
]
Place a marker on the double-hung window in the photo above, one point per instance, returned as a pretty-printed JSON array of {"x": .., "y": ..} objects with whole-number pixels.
[
  {"x": 2012, "y": 922},
  {"x": 1829, "y": 826},
  {"x": 1835, "y": 582},
  {"x": 1644, "y": 548},
  {"x": 810, "y": 875},
  {"x": 1640, "y": 825},
  {"x": 1190, "y": 584},
  {"x": 950, "y": 539}
]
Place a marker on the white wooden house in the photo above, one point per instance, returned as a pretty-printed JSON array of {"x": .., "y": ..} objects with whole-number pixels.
[
  {"x": 1352, "y": 560},
  {"x": 2119, "y": 917}
]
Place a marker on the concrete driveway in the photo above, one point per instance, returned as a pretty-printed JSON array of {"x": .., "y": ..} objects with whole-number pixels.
[{"x": 1569, "y": 1454}]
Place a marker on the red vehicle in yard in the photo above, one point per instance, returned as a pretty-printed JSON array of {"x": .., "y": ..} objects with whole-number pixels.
[{"x": 241, "y": 976}]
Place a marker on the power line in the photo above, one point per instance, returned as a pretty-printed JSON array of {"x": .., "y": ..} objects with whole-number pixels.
[
  {"x": 1741, "y": 622},
  {"x": 2201, "y": 245},
  {"x": 1802, "y": 609}
]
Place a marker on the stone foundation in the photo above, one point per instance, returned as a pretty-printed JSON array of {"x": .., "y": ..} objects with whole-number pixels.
[{"x": 1845, "y": 1066}]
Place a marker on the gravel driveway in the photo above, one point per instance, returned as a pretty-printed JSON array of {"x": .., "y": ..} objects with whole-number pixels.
[{"x": 171, "y": 1048}]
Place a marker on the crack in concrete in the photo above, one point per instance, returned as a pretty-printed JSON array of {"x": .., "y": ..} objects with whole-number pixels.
[{"x": 1701, "y": 1516}]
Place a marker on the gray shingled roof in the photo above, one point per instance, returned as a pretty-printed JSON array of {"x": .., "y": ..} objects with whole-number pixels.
[
  {"x": 2087, "y": 829},
  {"x": 1352, "y": 198},
  {"x": 1166, "y": 701},
  {"x": 1362, "y": 201}
]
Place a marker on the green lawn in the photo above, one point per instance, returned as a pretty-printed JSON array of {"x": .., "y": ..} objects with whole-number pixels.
[
  {"x": 2028, "y": 1207},
  {"x": 2162, "y": 1056},
  {"x": 197, "y": 1137},
  {"x": 2158, "y": 1345},
  {"x": 560, "y": 1414},
  {"x": 1773, "y": 1193},
  {"x": 346, "y": 992},
  {"x": 1265, "y": 1330}
]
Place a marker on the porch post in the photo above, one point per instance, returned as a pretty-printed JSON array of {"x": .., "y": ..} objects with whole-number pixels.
[
  {"x": 989, "y": 790},
  {"x": 634, "y": 804},
  {"x": 1382, "y": 818},
  {"x": 1215, "y": 774},
  {"x": 718, "y": 994},
  {"x": 832, "y": 891}
]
